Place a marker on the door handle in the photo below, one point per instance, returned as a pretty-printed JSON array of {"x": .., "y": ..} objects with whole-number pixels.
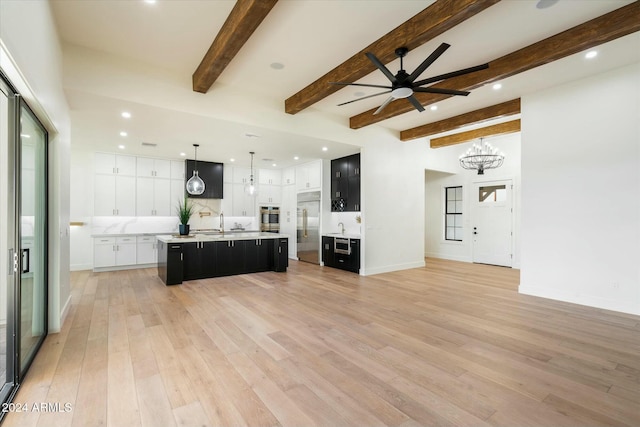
[
  {"x": 304, "y": 223},
  {"x": 25, "y": 255}
]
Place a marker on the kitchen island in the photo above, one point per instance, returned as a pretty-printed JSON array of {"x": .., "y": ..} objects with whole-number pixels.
[{"x": 202, "y": 256}]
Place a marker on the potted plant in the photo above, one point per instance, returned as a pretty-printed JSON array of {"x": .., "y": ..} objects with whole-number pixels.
[{"x": 184, "y": 211}]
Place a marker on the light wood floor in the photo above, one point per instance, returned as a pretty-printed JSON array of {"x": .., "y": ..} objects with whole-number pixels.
[{"x": 450, "y": 344}]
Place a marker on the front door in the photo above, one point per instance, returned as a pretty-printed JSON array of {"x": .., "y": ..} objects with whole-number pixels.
[{"x": 493, "y": 223}]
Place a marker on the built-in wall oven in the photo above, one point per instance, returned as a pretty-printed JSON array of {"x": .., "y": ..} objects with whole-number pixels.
[{"x": 270, "y": 219}]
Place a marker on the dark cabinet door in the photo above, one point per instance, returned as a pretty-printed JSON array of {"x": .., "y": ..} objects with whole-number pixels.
[
  {"x": 353, "y": 168},
  {"x": 212, "y": 175},
  {"x": 354, "y": 258},
  {"x": 199, "y": 260},
  {"x": 281, "y": 255},
  {"x": 345, "y": 184},
  {"x": 258, "y": 255},
  {"x": 353, "y": 202},
  {"x": 230, "y": 257},
  {"x": 327, "y": 251},
  {"x": 191, "y": 261}
]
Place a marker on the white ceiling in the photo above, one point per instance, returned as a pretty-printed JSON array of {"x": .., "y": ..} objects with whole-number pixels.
[{"x": 309, "y": 38}]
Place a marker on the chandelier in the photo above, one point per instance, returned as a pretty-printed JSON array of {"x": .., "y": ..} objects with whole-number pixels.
[{"x": 480, "y": 157}]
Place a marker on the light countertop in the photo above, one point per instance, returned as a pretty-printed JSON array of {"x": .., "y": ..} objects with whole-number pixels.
[{"x": 247, "y": 235}]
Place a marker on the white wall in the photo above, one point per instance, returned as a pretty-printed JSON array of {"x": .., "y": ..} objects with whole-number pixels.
[
  {"x": 30, "y": 54},
  {"x": 392, "y": 198},
  {"x": 449, "y": 173},
  {"x": 581, "y": 191}
]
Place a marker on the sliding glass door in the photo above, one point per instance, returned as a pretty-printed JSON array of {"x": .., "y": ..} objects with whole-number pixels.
[
  {"x": 33, "y": 236},
  {"x": 23, "y": 238}
]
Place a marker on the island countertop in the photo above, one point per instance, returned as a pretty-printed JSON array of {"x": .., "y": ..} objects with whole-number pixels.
[{"x": 249, "y": 235}]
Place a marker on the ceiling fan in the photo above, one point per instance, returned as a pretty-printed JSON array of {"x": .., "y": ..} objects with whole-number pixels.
[{"x": 404, "y": 85}]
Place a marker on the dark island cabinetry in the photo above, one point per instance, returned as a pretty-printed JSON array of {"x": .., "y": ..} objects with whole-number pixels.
[{"x": 204, "y": 259}]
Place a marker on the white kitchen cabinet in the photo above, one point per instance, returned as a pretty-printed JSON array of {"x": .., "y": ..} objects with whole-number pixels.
[
  {"x": 242, "y": 203},
  {"x": 157, "y": 168},
  {"x": 289, "y": 176},
  {"x": 114, "y": 164},
  {"x": 309, "y": 176},
  {"x": 114, "y": 251},
  {"x": 243, "y": 175},
  {"x": 146, "y": 250},
  {"x": 176, "y": 194},
  {"x": 154, "y": 198},
  {"x": 269, "y": 194},
  {"x": 114, "y": 195},
  {"x": 270, "y": 176},
  {"x": 177, "y": 170},
  {"x": 288, "y": 216}
]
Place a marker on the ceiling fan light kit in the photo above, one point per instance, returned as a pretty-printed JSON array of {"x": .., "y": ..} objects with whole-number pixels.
[{"x": 404, "y": 85}]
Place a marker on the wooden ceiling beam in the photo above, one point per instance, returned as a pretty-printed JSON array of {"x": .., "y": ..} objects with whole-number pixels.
[
  {"x": 508, "y": 108},
  {"x": 493, "y": 130},
  {"x": 243, "y": 20},
  {"x": 426, "y": 25},
  {"x": 603, "y": 29}
]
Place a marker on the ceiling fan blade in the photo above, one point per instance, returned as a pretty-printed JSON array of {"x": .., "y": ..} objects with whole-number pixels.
[
  {"x": 364, "y": 97},
  {"x": 430, "y": 60},
  {"x": 381, "y": 67},
  {"x": 387, "y": 102},
  {"x": 359, "y": 84},
  {"x": 416, "y": 103},
  {"x": 451, "y": 74},
  {"x": 439, "y": 90}
]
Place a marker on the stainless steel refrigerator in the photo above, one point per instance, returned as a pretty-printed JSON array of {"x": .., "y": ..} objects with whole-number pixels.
[{"x": 308, "y": 230}]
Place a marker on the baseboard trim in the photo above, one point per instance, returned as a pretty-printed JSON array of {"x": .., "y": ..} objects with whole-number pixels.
[
  {"x": 586, "y": 300},
  {"x": 448, "y": 257},
  {"x": 389, "y": 268}
]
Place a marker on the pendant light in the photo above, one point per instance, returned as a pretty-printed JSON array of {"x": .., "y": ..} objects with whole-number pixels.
[
  {"x": 195, "y": 184},
  {"x": 251, "y": 189}
]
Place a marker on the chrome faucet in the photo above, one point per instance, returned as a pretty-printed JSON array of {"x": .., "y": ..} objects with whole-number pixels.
[
  {"x": 342, "y": 227},
  {"x": 222, "y": 222}
]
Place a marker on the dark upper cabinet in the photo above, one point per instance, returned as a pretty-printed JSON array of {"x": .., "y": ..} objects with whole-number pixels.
[
  {"x": 212, "y": 175},
  {"x": 345, "y": 184}
]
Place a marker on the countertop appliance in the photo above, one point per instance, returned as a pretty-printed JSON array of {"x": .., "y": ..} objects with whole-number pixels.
[{"x": 308, "y": 227}]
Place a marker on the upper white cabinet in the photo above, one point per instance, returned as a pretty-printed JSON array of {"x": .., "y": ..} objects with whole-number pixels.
[
  {"x": 156, "y": 168},
  {"x": 114, "y": 195},
  {"x": 289, "y": 176},
  {"x": 309, "y": 176},
  {"x": 154, "y": 198},
  {"x": 270, "y": 176},
  {"x": 114, "y": 164},
  {"x": 177, "y": 170},
  {"x": 243, "y": 175}
]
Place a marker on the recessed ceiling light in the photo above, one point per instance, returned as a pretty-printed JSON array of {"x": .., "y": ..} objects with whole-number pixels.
[
  {"x": 324, "y": 148},
  {"x": 126, "y": 114},
  {"x": 274, "y": 165},
  {"x": 121, "y": 147},
  {"x": 277, "y": 65},
  {"x": 543, "y": 4},
  {"x": 497, "y": 86},
  {"x": 296, "y": 158},
  {"x": 150, "y": 1},
  {"x": 183, "y": 154},
  {"x": 232, "y": 160},
  {"x": 434, "y": 108},
  {"x": 123, "y": 133},
  {"x": 591, "y": 54}
]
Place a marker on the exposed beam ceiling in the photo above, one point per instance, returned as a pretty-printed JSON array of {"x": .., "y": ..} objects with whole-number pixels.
[
  {"x": 243, "y": 20},
  {"x": 603, "y": 29},
  {"x": 431, "y": 22},
  {"x": 493, "y": 130},
  {"x": 508, "y": 108}
]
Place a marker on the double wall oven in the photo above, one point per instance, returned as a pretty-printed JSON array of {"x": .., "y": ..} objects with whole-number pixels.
[{"x": 270, "y": 219}]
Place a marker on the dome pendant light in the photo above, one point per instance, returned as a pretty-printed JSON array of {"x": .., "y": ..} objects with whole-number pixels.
[
  {"x": 251, "y": 189},
  {"x": 195, "y": 184}
]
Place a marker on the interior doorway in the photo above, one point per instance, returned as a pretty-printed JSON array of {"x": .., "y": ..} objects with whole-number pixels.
[{"x": 492, "y": 230}]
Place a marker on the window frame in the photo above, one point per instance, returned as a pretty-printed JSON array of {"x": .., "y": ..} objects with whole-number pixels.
[{"x": 458, "y": 211}]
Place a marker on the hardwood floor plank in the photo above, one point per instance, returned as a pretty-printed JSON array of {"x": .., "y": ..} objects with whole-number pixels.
[{"x": 449, "y": 344}]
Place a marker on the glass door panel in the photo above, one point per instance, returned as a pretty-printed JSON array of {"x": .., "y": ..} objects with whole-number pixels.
[{"x": 33, "y": 237}]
